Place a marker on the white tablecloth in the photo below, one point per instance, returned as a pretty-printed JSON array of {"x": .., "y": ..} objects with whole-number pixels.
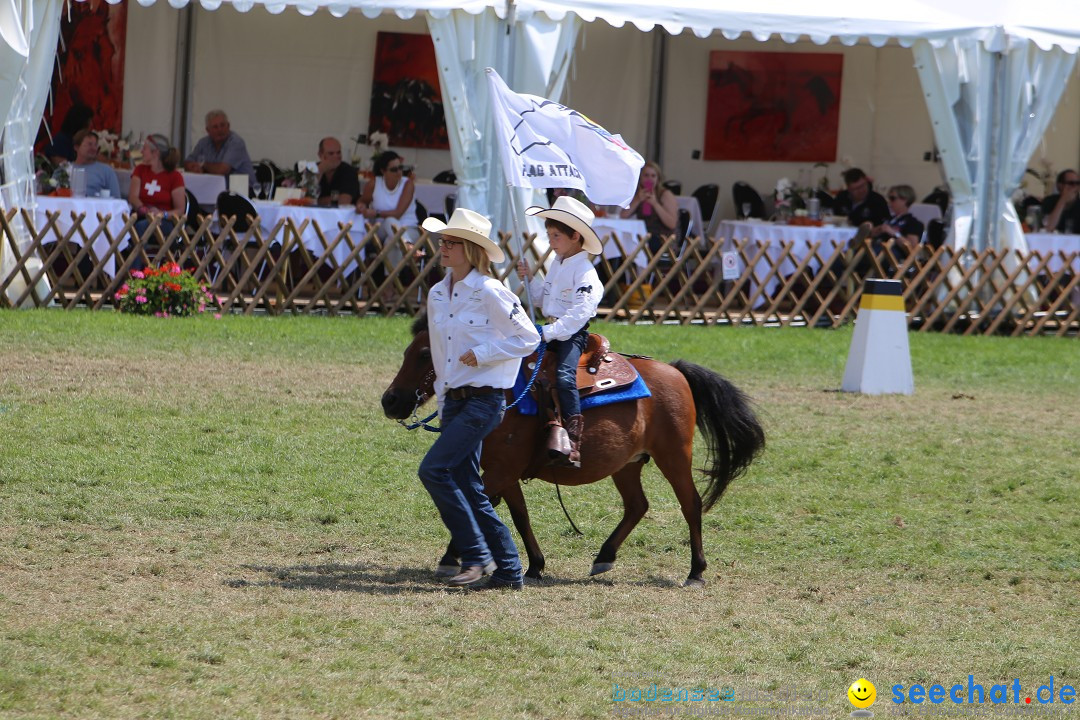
[
  {"x": 205, "y": 187},
  {"x": 771, "y": 235},
  {"x": 433, "y": 196},
  {"x": 93, "y": 207},
  {"x": 630, "y": 232},
  {"x": 1054, "y": 243},
  {"x": 326, "y": 218}
]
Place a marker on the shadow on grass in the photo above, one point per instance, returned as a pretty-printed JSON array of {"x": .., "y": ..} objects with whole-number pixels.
[
  {"x": 381, "y": 580},
  {"x": 362, "y": 577}
]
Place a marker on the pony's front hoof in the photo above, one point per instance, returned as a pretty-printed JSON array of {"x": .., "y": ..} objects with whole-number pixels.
[
  {"x": 445, "y": 571},
  {"x": 599, "y": 568},
  {"x": 693, "y": 582}
]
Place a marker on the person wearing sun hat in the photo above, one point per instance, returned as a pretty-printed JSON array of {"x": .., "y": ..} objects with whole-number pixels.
[
  {"x": 478, "y": 334},
  {"x": 569, "y": 297}
]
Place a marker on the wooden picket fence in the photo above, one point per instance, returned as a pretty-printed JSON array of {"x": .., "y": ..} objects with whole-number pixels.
[{"x": 275, "y": 271}]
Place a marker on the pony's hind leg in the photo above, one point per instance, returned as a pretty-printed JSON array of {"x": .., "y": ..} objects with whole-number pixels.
[
  {"x": 519, "y": 512},
  {"x": 676, "y": 467},
  {"x": 628, "y": 483}
]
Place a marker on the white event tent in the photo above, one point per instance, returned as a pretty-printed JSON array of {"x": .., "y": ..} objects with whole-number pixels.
[{"x": 992, "y": 73}]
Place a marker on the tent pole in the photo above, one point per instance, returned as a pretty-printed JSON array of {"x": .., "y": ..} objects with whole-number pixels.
[
  {"x": 988, "y": 189},
  {"x": 999, "y": 158},
  {"x": 182, "y": 79},
  {"x": 655, "y": 130}
]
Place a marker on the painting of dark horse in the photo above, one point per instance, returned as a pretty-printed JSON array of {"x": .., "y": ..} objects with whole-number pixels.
[
  {"x": 89, "y": 66},
  {"x": 773, "y": 106},
  {"x": 406, "y": 102}
]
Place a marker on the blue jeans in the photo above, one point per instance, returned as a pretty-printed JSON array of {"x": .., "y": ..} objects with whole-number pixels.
[
  {"x": 567, "y": 354},
  {"x": 164, "y": 227},
  {"x": 451, "y": 473}
]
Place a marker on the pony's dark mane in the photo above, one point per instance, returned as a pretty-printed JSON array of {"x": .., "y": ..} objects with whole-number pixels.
[{"x": 419, "y": 324}]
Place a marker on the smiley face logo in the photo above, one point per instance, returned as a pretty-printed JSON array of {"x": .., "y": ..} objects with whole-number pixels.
[{"x": 862, "y": 693}]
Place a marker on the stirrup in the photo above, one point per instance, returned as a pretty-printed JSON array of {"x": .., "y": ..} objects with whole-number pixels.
[{"x": 558, "y": 444}]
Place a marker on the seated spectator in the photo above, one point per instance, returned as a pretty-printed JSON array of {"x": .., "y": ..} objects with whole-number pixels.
[
  {"x": 902, "y": 226},
  {"x": 221, "y": 152},
  {"x": 654, "y": 205},
  {"x": 157, "y": 189},
  {"x": 388, "y": 202},
  {"x": 62, "y": 148},
  {"x": 336, "y": 176},
  {"x": 99, "y": 176},
  {"x": 1061, "y": 211},
  {"x": 859, "y": 201},
  {"x": 389, "y": 199}
]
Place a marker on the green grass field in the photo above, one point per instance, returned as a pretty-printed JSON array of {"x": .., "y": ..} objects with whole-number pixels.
[{"x": 211, "y": 518}]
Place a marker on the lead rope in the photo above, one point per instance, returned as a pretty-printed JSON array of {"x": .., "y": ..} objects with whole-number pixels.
[
  {"x": 566, "y": 512},
  {"x": 416, "y": 422}
]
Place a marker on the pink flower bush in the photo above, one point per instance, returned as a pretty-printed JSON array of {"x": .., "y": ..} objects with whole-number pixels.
[{"x": 163, "y": 292}]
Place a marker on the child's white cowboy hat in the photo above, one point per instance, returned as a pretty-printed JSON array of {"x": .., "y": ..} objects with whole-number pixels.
[{"x": 576, "y": 215}]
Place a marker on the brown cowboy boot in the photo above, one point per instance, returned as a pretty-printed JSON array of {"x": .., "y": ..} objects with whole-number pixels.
[
  {"x": 574, "y": 427},
  {"x": 558, "y": 444}
]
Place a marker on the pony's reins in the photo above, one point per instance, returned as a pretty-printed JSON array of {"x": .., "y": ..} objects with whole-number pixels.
[{"x": 416, "y": 422}]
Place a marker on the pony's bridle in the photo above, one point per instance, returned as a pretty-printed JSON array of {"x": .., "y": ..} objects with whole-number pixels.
[
  {"x": 429, "y": 381},
  {"x": 421, "y": 397}
]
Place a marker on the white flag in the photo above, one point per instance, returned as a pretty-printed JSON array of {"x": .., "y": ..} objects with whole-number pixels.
[{"x": 545, "y": 144}]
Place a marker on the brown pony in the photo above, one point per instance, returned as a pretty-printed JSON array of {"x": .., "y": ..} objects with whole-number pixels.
[{"x": 619, "y": 439}]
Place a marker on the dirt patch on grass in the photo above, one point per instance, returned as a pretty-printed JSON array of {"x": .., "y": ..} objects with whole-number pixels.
[{"x": 84, "y": 376}]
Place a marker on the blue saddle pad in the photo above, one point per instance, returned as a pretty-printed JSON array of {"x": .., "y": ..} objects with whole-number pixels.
[{"x": 634, "y": 391}]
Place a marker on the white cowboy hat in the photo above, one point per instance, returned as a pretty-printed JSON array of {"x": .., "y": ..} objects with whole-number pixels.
[
  {"x": 468, "y": 225},
  {"x": 577, "y": 215}
]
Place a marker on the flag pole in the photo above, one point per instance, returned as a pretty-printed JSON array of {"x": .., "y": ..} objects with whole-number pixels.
[
  {"x": 520, "y": 249},
  {"x": 520, "y": 245}
]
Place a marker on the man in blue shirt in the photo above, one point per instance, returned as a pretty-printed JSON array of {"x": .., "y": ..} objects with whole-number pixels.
[
  {"x": 221, "y": 152},
  {"x": 99, "y": 176}
]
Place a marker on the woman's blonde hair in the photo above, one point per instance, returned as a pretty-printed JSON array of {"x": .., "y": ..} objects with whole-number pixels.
[
  {"x": 659, "y": 189},
  {"x": 477, "y": 257}
]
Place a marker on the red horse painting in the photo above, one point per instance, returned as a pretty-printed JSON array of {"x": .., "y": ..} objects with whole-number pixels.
[{"x": 773, "y": 106}]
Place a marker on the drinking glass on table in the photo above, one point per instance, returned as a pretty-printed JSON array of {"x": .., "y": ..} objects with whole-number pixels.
[
  {"x": 746, "y": 208},
  {"x": 78, "y": 182},
  {"x": 334, "y": 198}
]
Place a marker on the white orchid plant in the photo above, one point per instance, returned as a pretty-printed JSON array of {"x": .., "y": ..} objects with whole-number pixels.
[
  {"x": 309, "y": 178},
  {"x": 111, "y": 146},
  {"x": 784, "y": 194},
  {"x": 378, "y": 142}
]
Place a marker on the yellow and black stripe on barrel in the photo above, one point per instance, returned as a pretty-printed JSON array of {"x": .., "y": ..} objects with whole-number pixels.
[{"x": 882, "y": 295}]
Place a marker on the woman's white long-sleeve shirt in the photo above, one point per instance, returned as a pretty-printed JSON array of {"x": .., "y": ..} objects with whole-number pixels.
[
  {"x": 482, "y": 315},
  {"x": 570, "y": 294}
]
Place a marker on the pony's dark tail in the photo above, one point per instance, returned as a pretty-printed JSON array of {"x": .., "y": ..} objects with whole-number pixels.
[{"x": 731, "y": 429}]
